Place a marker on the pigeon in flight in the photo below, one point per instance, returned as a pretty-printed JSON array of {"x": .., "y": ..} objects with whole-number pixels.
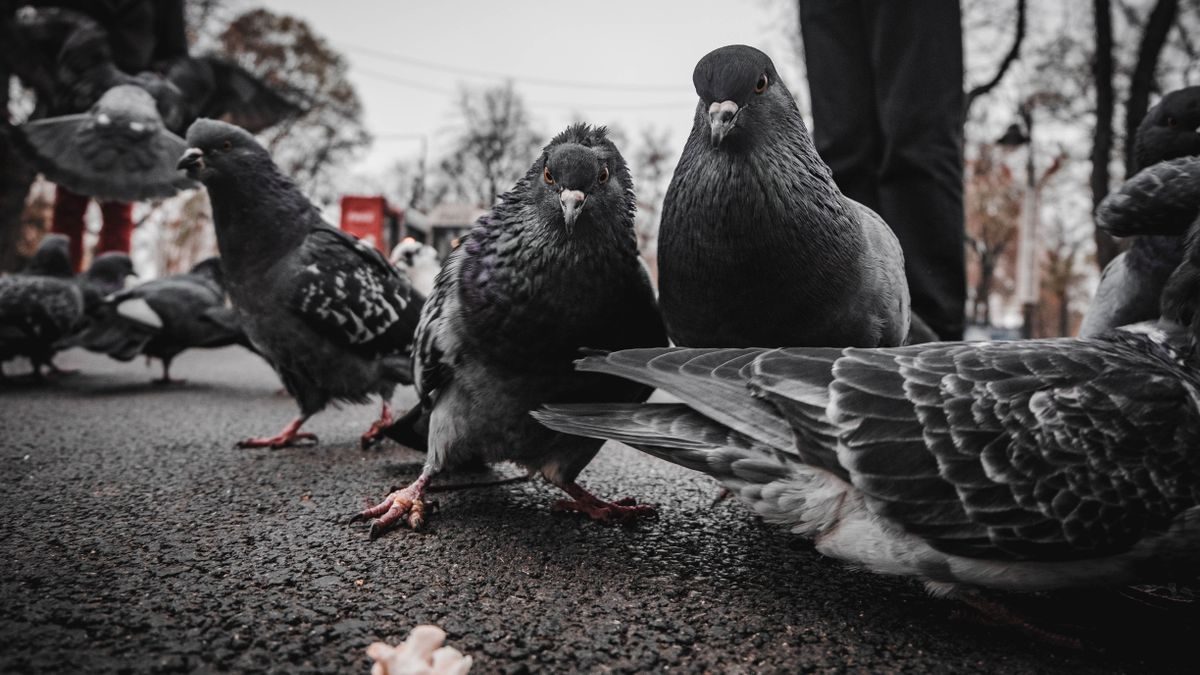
[
  {"x": 41, "y": 315},
  {"x": 551, "y": 270},
  {"x": 757, "y": 246},
  {"x": 118, "y": 150},
  {"x": 1024, "y": 465},
  {"x": 1132, "y": 282},
  {"x": 329, "y": 313},
  {"x": 164, "y": 317}
]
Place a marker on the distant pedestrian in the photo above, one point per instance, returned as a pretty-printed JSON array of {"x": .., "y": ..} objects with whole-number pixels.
[{"x": 887, "y": 99}]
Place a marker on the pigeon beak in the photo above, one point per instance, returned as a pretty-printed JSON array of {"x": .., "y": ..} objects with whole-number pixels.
[
  {"x": 572, "y": 203},
  {"x": 193, "y": 158},
  {"x": 721, "y": 119}
]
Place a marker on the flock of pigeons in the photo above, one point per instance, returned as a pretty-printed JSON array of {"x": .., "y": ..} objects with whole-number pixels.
[{"x": 799, "y": 377}]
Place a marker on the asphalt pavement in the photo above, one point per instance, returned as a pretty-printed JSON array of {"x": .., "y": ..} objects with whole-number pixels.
[{"x": 135, "y": 538}]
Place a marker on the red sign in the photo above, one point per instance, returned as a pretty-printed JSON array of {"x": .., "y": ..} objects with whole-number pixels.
[{"x": 363, "y": 218}]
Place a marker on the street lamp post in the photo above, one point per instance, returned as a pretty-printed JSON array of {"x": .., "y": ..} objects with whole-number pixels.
[{"x": 1029, "y": 247}]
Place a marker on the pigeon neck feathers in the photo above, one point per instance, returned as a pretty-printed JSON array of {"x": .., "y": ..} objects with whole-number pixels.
[{"x": 259, "y": 216}]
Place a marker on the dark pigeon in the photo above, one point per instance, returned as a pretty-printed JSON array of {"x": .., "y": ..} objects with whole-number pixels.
[
  {"x": 1021, "y": 465},
  {"x": 1132, "y": 283},
  {"x": 552, "y": 269},
  {"x": 118, "y": 150},
  {"x": 328, "y": 312},
  {"x": 41, "y": 315},
  {"x": 164, "y": 317},
  {"x": 52, "y": 258},
  {"x": 216, "y": 88},
  {"x": 757, "y": 246}
]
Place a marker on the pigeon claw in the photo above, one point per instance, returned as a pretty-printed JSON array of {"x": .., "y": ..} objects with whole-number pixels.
[
  {"x": 280, "y": 441},
  {"x": 406, "y": 506},
  {"x": 620, "y": 512},
  {"x": 375, "y": 435}
]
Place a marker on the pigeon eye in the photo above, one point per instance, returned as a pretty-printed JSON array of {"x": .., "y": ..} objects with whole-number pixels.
[
  {"x": 547, "y": 177},
  {"x": 603, "y": 175},
  {"x": 227, "y": 145},
  {"x": 1172, "y": 122},
  {"x": 761, "y": 85}
]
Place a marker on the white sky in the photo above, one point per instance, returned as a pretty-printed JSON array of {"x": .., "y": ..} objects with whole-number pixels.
[{"x": 646, "y": 47}]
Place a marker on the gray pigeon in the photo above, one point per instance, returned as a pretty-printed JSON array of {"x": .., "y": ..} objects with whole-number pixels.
[
  {"x": 551, "y": 270},
  {"x": 328, "y": 312},
  {"x": 52, "y": 258},
  {"x": 118, "y": 150},
  {"x": 1024, "y": 465},
  {"x": 164, "y": 317},
  {"x": 1132, "y": 282},
  {"x": 40, "y": 315},
  {"x": 757, "y": 246}
]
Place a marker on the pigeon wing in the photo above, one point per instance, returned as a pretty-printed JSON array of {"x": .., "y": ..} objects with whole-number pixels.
[
  {"x": 349, "y": 293},
  {"x": 1161, "y": 199}
]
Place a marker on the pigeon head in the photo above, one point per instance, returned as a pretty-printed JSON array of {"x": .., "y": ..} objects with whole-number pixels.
[
  {"x": 1171, "y": 129},
  {"x": 739, "y": 90},
  {"x": 220, "y": 152},
  {"x": 582, "y": 179},
  {"x": 52, "y": 258},
  {"x": 109, "y": 270}
]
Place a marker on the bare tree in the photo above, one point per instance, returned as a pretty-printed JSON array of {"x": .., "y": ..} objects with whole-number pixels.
[
  {"x": 1013, "y": 54},
  {"x": 652, "y": 164},
  {"x": 993, "y": 205},
  {"x": 494, "y": 145},
  {"x": 1102, "y": 138},
  {"x": 1062, "y": 274},
  {"x": 287, "y": 54}
]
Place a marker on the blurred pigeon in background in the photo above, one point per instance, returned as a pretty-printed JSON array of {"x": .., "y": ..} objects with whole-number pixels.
[
  {"x": 552, "y": 269},
  {"x": 1132, "y": 282},
  {"x": 218, "y": 89},
  {"x": 118, "y": 150},
  {"x": 331, "y": 315},
  {"x": 40, "y": 315},
  {"x": 757, "y": 246},
  {"x": 52, "y": 258},
  {"x": 164, "y": 317},
  {"x": 1023, "y": 465},
  {"x": 419, "y": 261}
]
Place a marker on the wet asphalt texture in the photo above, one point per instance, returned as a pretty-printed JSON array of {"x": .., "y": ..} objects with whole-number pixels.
[{"x": 135, "y": 538}]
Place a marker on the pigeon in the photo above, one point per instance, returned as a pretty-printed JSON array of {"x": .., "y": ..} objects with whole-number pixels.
[
  {"x": 164, "y": 317},
  {"x": 119, "y": 150},
  {"x": 757, "y": 246},
  {"x": 52, "y": 258},
  {"x": 419, "y": 261},
  {"x": 1022, "y": 465},
  {"x": 328, "y": 312},
  {"x": 40, "y": 315},
  {"x": 216, "y": 88},
  {"x": 1132, "y": 282},
  {"x": 551, "y": 270}
]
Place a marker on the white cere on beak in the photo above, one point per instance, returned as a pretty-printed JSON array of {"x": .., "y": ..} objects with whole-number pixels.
[
  {"x": 724, "y": 106},
  {"x": 103, "y": 120},
  {"x": 572, "y": 203},
  {"x": 137, "y": 127}
]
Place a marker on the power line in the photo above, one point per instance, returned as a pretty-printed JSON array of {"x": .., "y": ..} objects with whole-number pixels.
[
  {"x": 471, "y": 72},
  {"x": 413, "y": 84}
]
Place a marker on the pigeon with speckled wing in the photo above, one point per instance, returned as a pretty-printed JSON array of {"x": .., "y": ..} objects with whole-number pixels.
[
  {"x": 118, "y": 150},
  {"x": 1025, "y": 465},
  {"x": 164, "y": 317},
  {"x": 757, "y": 246},
  {"x": 1156, "y": 204},
  {"x": 328, "y": 312},
  {"x": 552, "y": 270},
  {"x": 52, "y": 258}
]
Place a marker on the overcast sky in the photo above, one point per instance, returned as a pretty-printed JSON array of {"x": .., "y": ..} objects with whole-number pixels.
[{"x": 627, "y": 62}]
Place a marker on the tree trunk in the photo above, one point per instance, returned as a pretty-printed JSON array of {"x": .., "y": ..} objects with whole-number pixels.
[
  {"x": 1106, "y": 246},
  {"x": 1143, "y": 80},
  {"x": 1014, "y": 53}
]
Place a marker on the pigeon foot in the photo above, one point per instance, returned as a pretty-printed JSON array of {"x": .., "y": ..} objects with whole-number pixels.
[
  {"x": 289, "y": 437},
  {"x": 407, "y": 505},
  {"x": 165, "y": 381},
  {"x": 374, "y": 435},
  {"x": 1002, "y": 614},
  {"x": 622, "y": 511}
]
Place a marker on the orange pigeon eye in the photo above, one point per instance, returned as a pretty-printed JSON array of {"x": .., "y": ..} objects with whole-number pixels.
[
  {"x": 227, "y": 145},
  {"x": 547, "y": 177},
  {"x": 603, "y": 175}
]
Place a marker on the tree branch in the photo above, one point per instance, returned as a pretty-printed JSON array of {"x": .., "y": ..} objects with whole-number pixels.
[
  {"x": 1143, "y": 80},
  {"x": 1013, "y": 53}
]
